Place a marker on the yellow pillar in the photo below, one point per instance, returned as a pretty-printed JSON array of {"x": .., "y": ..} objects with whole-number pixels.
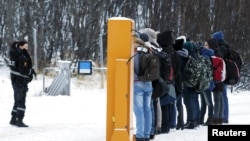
[{"x": 119, "y": 80}]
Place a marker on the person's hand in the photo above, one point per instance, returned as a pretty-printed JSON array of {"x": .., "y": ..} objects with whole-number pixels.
[{"x": 33, "y": 73}]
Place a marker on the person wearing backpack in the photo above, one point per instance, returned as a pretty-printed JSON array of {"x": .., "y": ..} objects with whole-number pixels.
[
  {"x": 142, "y": 93},
  {"x": 219, "y": 36},
  {"x": 219, "y": 87},
  {"x": 206, "y": 95},
  {"x": 21, "y": 74},
  {"x": 169, "y": 72},
  {"x": 155, "y": 103},
  {"x": 190, "y": 96}
]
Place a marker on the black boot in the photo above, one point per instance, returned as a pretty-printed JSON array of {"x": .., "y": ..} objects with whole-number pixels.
[
  {"x": 209, "y": 121},
  {"x": 188, "y": 122},
  {"x": 220, "y": 120},
  {"x": 180, "y": 125},
  {"x": 190, "y": 125},
  {"x": 13, "y": 120},
  {"x": 20, "y": 123},
  {"x": 201, "y": 121},
  {"x": 215, "y": 121},
  {"x": 151, "y": 137}
]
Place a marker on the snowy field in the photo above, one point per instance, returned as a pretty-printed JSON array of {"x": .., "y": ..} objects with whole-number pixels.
[{"x": 82, "y": 115}]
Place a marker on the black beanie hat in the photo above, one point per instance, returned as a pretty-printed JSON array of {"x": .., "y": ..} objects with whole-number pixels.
[
  {"x": 178, "y": 44},
  {"x": 165, "y": 38}
]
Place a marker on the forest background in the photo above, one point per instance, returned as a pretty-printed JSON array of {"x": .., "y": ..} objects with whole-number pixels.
[{"x": 74, "y": 30}]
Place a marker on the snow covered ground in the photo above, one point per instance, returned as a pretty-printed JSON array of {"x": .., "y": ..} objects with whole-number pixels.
[{"x": 82, "y": 115}]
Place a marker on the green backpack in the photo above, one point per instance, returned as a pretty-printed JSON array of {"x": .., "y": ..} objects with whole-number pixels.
[{"x": 197, "y": 73}]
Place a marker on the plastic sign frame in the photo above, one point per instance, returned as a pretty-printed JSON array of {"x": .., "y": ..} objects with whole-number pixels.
[{"x": 85, "y": 67}]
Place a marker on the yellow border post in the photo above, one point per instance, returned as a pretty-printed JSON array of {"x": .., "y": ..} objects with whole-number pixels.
[{"x": 120, "y": 80}]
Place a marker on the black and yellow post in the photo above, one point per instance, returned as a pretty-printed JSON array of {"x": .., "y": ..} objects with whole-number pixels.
[{"x": 119, "y": 80}]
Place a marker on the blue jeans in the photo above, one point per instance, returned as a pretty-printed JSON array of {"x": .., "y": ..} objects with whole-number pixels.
[
  {"x": 191, "y": 101},
  {"x": 226, "y": 106},
  {"x": 142, "y": 108},
  {"x": 218, "y": 104},
  {"x": 206, "y": 102},
  {"x": 152, "y": 132}
]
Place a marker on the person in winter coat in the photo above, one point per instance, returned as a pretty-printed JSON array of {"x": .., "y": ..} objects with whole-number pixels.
[
  {"x": 142, "y": 95},
  {"x": 190, "y": 96},
  {"x": 219, "y": 86},
  {"x": 155, "y": 103},
  {"x": 219, "y": 36},
  {"x": 21, "y": 74},
  {"x": 183, "y": 53},
  {"x": 166, "y": 41},
  {"x": 206, "y": 96}
]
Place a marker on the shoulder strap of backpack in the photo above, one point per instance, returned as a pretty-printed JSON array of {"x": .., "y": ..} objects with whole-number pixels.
[{"x": 130, "y": 58}]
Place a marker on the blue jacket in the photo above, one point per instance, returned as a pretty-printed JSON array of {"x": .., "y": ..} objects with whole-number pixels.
[{"x": 207, "y": 53}]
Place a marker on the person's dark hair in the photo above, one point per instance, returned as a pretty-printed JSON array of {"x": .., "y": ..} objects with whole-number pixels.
[
  {"x": 21, "y": 43},
  {"x": 16, "y": 44},
  {"x": 13, "y": 44}
]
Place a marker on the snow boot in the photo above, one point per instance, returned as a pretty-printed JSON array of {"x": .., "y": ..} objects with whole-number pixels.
[
  {"x": 20, "y": 123},
  {"x": 13, "y": 120},
  {"x": 180, "y": 125},
  {"x": 190, "y": 125}
]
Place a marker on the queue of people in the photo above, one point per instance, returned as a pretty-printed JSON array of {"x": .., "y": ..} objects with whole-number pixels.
[{"x": 161, "y": 115}]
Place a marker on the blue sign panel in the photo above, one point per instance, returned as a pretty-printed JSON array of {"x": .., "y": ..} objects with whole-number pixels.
[{"x": 85, "y": 67}]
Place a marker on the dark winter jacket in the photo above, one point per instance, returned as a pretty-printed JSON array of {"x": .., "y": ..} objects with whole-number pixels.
[
  {"x": 24, "y": 65},
  {"x": 14, "y": 54},
  {"x": 165, "y": 40}
]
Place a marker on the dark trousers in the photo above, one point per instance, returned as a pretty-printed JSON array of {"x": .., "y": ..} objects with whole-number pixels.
[
  {"x": 20, "y": 87},
  {"x": 179, "y": 107}
]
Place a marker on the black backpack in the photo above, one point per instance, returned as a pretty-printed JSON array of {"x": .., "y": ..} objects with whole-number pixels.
[
  {"x": 162, "y": 86},
  {"x": 149, "y": 66},
  {"x": 234, "y": 64},
  {"x": 166, "y": 66},
  {"x": 235, "y": 57},
  {"x": 232, "y": 72}
]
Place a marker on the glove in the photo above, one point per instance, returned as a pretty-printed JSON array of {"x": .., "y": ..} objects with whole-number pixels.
[{"x": 33, "y": 73}]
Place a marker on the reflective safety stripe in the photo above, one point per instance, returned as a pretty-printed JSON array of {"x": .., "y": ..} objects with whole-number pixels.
[
  {"x": 20, "y": 109},
  {"x": 19, "y": 74}
]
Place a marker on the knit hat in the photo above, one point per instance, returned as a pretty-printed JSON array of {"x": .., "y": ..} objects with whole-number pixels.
[
  {"x": 213, "y": 43},
  {"x": 165, "y": 38},
  {"x": 219, "y": 35},
  {"x": 182, "y": 37},
  {"x": 188, "y": 46},
  {"x": 151, "y": 34},
  {"x": 179, "y": 42}
]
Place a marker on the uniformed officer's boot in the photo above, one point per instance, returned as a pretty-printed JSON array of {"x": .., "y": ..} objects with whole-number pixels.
[
  {"x": 20, "y": 123},
  {"x": 13, "y": 120}
]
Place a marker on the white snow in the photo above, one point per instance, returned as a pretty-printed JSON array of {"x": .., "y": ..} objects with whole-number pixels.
[{"x": 82, "y": 115}]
